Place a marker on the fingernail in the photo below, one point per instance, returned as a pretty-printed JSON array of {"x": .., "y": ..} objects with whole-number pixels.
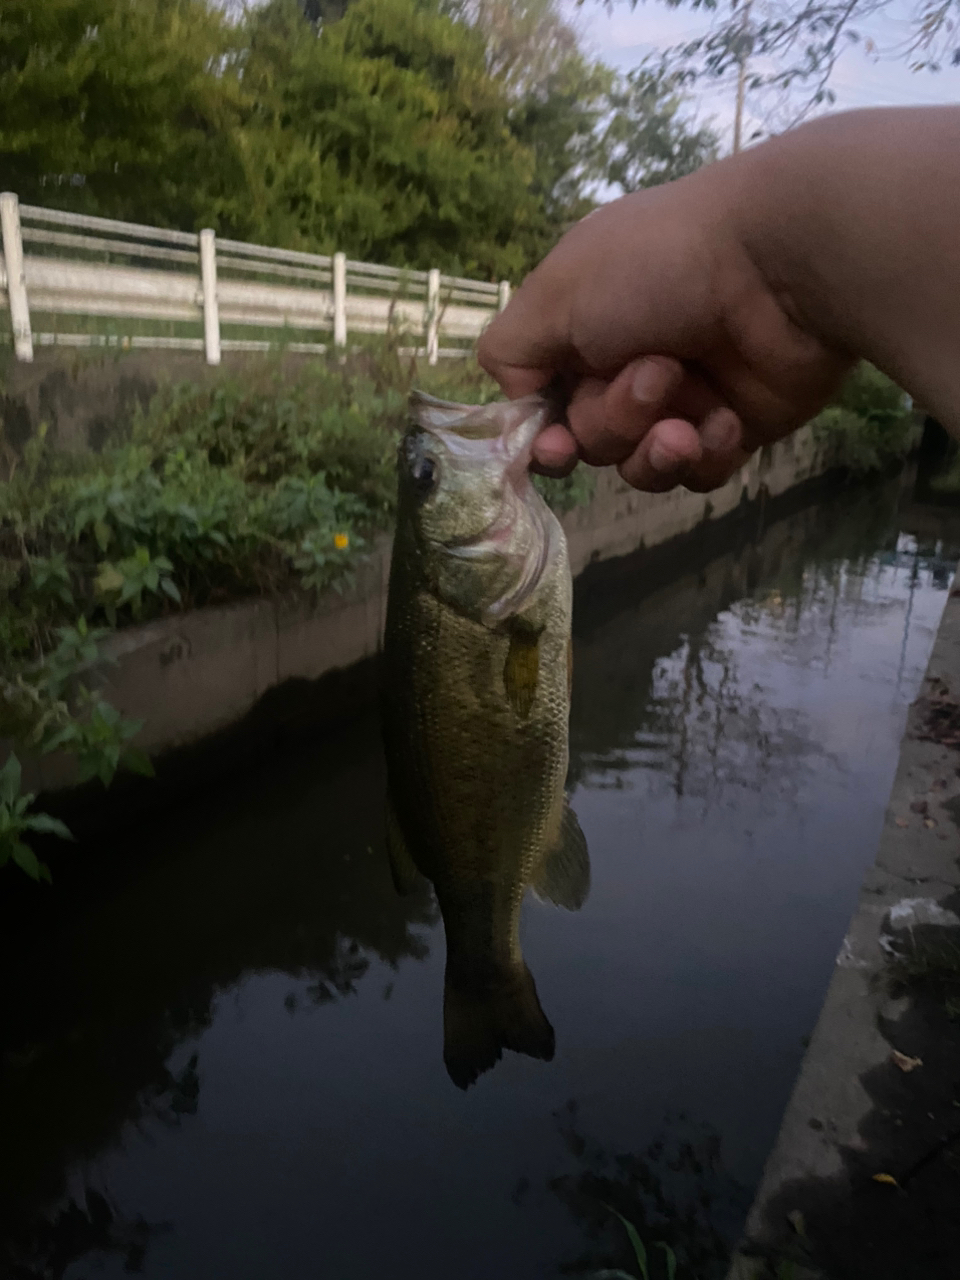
[
  {"x": 651, "y": 381},
  {"x": 661, "y": 459},
  {"x": 721, "y": 431}
]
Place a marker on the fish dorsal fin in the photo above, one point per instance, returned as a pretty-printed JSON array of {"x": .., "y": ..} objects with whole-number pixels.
[
  {"x": 564, "y": 875},
  {"x": 522, "y": 670},
  {"x": 402, "y": 866}
]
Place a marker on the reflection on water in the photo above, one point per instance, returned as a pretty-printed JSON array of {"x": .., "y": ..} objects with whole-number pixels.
[
  {"x": 222, "y": 1054},
  {"x": 676, "y": 1194}
]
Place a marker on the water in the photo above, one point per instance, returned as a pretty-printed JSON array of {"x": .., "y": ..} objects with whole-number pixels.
[{"x": 223, "y": 1051}]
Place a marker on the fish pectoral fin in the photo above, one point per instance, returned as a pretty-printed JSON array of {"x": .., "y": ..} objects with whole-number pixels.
[
  {"x": 564, "y": 875},
  {"x": 402, "y": 866},
  {"x": 522, "y": 670}
]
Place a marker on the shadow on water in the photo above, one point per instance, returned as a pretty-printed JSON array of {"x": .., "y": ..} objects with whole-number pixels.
[
  {"x": 217, "y": 1057},
  {"x": 126, "y": 962}
]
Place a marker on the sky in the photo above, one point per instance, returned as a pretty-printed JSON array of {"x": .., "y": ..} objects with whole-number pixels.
[{"x": 622, "y": 37}]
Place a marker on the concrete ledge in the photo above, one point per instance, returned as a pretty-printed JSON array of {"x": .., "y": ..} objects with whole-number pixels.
[{"x": 191, "y": 675}]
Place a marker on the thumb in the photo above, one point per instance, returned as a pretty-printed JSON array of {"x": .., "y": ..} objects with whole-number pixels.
[{"x": 528, "y": 343}]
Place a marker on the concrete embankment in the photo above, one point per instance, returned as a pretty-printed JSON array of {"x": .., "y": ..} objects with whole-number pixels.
[
  {"x": 189, "y": 676},
  {"x": 864, "y": 1180}
]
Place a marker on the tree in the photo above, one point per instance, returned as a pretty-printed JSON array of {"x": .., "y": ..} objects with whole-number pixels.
[
  {"x": 785, "y": 51},
  {"x": 121, "y": 107},
  {"x": 587, "y": 127},
  {"x": 384, "y": 134},
  {"x": 648, "y": 141}
]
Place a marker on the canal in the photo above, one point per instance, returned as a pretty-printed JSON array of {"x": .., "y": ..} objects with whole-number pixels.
[{"x": 222, "y": 1049}]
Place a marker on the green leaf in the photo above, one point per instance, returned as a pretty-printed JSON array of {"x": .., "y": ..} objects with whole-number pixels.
[
  {"x": 138, "y": 761},
  {"x": 109, "y": 580},
  {"x": 49, "y": 825},
  {"x": 639, "y": 1248},
  {"x": 671, "y": 1258},
  {"x": 170, "y": 587},
  {"x": 25, "y": 859},
  {"x": 67, "y": 734},
  {"x": 10, "y": 780},
  {"x": 101, "y": 531}
]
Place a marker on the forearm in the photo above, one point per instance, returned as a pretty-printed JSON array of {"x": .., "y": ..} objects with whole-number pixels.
[{"x": 854, "y": 221}]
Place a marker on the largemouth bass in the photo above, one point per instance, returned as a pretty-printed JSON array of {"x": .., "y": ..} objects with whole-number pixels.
[{"x": 477, "y": 665}]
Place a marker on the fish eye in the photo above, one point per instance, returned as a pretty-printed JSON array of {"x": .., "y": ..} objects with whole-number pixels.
[
  {"x": 422, "y": 468},
  {"x": 424, "y": 473}
]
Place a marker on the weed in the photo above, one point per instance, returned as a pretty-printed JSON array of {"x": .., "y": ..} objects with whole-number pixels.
[{"x": 930, "y": 962}]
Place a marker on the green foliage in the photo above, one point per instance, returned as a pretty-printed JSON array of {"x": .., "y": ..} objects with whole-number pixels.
[
  {"x": 123, "y": 107},
  {"x": 463, "y": 134},
  {"x": 265, "y": 482},
  {"x": 15, "y": 821},
  {"x": 869, "y": 426},
  {"x": 574, "y": 490},
  {"x": 386, "y": 135},
  {"x": 648, "y": 141},
  {"x": 639, "y": 1253}
]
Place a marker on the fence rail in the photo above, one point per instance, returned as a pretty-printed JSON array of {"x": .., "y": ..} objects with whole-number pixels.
[{"x": 57, "y": 264}]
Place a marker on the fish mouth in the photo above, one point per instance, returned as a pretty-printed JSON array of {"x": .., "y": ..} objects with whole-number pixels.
[
  {"x": 503, "y": 430},
  {"x": 513, "y": 424}
]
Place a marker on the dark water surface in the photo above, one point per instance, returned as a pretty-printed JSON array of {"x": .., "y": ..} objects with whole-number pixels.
[{"x": 222, "y": 1055}]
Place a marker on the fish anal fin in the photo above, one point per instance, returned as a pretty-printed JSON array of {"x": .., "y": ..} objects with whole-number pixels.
[
  {"x": 522, "y": 670},
  {"x": 563, "y": 876},
  {"x": 479, "y": 1024},
  {"x": 402, "y": 866}
]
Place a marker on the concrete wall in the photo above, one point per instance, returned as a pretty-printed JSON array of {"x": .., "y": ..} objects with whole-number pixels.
[
  {"x": 191, "y": 675},
  {"x": 85, "y": 397}
]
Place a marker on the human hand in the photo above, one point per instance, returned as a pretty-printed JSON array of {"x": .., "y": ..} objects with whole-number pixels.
[{"x": 679, "y": 357}]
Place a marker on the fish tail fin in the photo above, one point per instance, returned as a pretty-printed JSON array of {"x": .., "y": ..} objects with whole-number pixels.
[{"x": 479, "y": 1024}]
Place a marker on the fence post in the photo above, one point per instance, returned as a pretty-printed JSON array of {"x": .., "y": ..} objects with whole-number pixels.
[
  {"x": 16, "y": 281},
  {"x": 503, "y": 294},
  {"x": 211, "y": 307},
  {"x": 433, "y": 316},
  {"x": 339, "y": 299}
]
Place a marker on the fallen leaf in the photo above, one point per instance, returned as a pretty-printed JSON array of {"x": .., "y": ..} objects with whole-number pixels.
[
  {"x": 887, "y": 1178},
  {"x": 904, "y": 1061},
  {"x": 901, "y": 822},
  {"x": 797, "y": 1221},
  {"x": 918, "y": 806},
  {"x": 929, "y": 822}
]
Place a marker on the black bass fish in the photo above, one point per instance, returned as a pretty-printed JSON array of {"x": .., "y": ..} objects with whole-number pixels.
[{"x": 477, "y": 666}]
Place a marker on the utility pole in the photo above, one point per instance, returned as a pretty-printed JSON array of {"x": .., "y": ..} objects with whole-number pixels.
[{"x": 741, "y": 77}]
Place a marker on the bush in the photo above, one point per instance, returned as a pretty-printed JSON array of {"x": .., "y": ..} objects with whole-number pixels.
[
  {"x": 265, "y": 482},
  {"x": 870, "y": 425}
]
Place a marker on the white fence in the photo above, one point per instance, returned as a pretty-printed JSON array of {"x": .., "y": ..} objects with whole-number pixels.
[{"x": 94, "y": 270}]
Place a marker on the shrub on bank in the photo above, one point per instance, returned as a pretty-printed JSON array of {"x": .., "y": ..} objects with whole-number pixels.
[
  {"x": 871, "y": 424},
  {"x": 265, "y": 482}
]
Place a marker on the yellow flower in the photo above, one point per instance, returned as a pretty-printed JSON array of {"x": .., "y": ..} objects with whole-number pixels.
[{"x": 341, "y": 541}]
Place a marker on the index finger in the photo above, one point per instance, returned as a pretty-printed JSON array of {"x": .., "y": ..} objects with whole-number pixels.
[{"x": 528, "y": 342}]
